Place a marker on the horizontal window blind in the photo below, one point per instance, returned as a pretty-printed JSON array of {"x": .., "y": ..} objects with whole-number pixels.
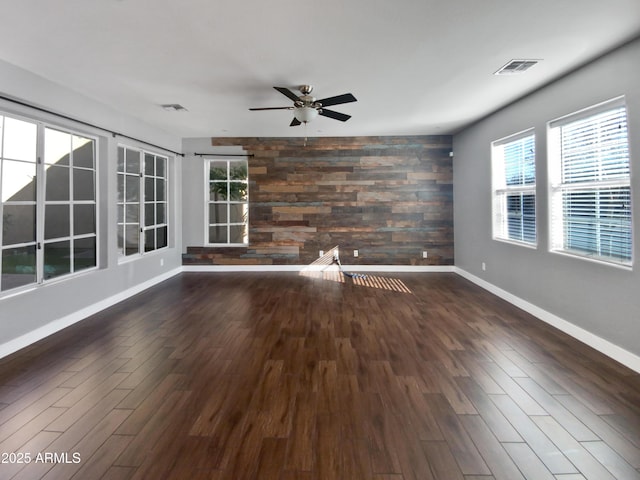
[
  {"x": 519, "y": 161},
  {"x": 596, "y": 148},
  {"x": 592, "y": 201},
  {"x": 514, "y": 189}
]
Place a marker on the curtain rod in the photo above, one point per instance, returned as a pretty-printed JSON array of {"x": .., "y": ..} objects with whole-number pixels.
[
  {"x": 82, "y": 122},
  {"x": 223, "y": 154}
]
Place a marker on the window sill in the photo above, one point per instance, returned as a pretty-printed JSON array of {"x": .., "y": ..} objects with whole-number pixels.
[
  {"x": 132, "y": 258},
  {"x": 225, "y": 245},
  {"x": 532, "y": 246},
  {"x": 622, "y": 266}
]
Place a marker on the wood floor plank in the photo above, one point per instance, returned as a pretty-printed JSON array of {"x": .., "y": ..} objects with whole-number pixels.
[
  {"x": 38, "y": 443},
  {"x": 550, "y": 455},
  {"x": 119, "y": 473},
  {"x": 143, "y": 410},
  {"x": 588, "y": 466},
  {"x": 443, "y": 464},
  {"x": 462, "y": 446},
  {"x": 327, "y": 460},
  {"x": 94, "y": 402},
  {"x": 27, "y": 431},
  {"x": 382, "y": 449},
  {"x": 280, "y": 376},
  {"x": 34, "y": 387},
  {"x": 154, "y": 428},
  {"x": 611, "y": 460},
  {"x": 101, "y": 461},
  {"x": 624, "y": 447},
  {"x": 570, "y": 423},
  {"x": 83, "y": 445},
  {"x": 412, "y": 457},
  {"x": 493, "y": 417},
  {"x": 492, "y": 451},
  {"x": 300, "y": 449},
  {"x": 419, "y": 414},
  {"x": 513, "y": 390},
  {"x": 627, "y": 425},
  {"x": 527, "y": 461},
  {"x": 19, "y": 414},
  {"x": 271, "y": 458}
]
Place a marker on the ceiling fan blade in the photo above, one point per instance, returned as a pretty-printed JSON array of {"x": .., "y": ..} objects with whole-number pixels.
[
  {"x": 271, "y": 108},
  {"x": 295, "y": 122},
  {"x": 335, "y": 115},
  {"x": 288, "y": 93},
  {"x": 337, "y": 100}
]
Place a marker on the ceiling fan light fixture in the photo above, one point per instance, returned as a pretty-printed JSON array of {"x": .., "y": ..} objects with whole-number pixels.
[{"x": 305, "y": 114}]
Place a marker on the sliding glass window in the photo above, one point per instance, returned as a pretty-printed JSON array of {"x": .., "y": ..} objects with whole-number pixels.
[{"x": 48, "y": 192}]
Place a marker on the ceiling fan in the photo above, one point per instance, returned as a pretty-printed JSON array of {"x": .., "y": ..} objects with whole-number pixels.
[{"x": 306, "y": 108}]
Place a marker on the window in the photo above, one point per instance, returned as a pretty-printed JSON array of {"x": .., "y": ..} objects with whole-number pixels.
[
  {"x": 142, "y": 201},
  {"x": 69, "y": 203},
  {"x": 228, "y": 202},
  {"x": 514, "y": 188},
  {"x": 590, "y": 184},
  {"x": 155, "y": 202},
  {"x": 48, "y": 203}
]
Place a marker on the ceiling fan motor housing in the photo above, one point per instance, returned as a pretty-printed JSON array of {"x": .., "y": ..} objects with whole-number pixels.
[{"x": 305, "y": 89}]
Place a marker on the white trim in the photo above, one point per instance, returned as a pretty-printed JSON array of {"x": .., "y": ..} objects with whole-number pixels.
[
  {"x": 531, "y": 131},
  {"x": 617, "y": 102},
  {"x": 312, "y": 267},
  {"x": 50, "y": 328},
  {"x": 609, "y": 349}
]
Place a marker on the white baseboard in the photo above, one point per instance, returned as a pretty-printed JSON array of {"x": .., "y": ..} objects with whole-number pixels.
[
  {"x": 68, "y": 320},
  {"x": 609, "y": 349},
  {"x": 314, "y": 268}
]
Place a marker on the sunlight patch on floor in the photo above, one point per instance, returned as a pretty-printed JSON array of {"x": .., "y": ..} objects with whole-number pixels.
[
  {"x": 326, "y": 268},
  {"x": 384, "y": 283}
]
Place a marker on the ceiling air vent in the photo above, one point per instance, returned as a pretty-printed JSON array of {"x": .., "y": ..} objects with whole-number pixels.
[
  {"x": 514, "y": 67},
  {"x": 173, "y": 107}
]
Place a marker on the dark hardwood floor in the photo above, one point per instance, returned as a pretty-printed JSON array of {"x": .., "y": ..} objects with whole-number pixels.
[{"x": 295, "y": 377}]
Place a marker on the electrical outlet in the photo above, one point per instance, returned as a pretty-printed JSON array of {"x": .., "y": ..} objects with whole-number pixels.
[
  {"x": 355, "y": 253},
  {"x": 484, "y": 266},
  {"x": 321, "y": 253},
  {"x": 162, "y": 262},
  {"x": 424, "y": 254}
]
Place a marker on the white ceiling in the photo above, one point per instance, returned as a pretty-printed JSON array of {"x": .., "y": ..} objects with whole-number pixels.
[{"x": 415, "y": 66}]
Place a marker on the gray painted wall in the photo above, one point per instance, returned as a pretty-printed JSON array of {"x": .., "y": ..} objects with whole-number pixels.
[
  {"x": 25, "y": 312},
  {"x": 602, "y": 299}
]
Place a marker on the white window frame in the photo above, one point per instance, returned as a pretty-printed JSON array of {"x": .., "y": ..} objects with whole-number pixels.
[
  {"x": 208, "y": 202},
  {"x": 154, "y": 226},
  {"x": 140, "y": 224},
  {"x": 500, "y": 191},
  {"x": 596, "y": 186},
  {"x": 41, "y": 203}
]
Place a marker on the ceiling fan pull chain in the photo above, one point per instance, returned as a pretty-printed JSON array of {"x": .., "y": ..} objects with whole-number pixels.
[{"x": 305, "y": 134}]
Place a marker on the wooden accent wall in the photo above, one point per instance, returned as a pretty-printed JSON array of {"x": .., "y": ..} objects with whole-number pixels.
[{"x": 390, "y": 198}]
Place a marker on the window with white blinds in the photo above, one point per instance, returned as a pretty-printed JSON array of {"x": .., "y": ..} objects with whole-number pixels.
[
  {"x": 590, "y": 184},
  {"x": 514, "y": 188}
]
